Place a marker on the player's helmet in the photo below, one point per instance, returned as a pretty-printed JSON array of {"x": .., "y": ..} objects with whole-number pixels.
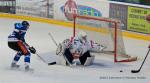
[
  {"x": 25, "y": 24},
  {"x": 82, "y": 35}
]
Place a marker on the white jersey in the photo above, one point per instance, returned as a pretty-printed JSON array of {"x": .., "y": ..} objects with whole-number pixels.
[{"x": 78, "y": 46}]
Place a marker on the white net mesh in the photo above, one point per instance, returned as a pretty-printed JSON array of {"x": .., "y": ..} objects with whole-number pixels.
[{"x": 104, "y": 31}]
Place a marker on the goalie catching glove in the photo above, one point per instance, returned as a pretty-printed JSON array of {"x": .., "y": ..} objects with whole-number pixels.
[
  {"x": 32, "y": 50},
  {"x": 62, "y": 46}
]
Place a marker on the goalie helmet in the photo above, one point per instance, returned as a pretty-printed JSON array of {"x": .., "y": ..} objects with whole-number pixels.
[{"x": 82, "y": 35}]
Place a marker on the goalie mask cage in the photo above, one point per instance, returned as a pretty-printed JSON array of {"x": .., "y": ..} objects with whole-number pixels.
[{"x": 105, "y": 31}]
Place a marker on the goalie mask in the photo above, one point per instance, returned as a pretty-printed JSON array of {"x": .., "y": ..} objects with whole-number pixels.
[{"x": 82, "y": 36}]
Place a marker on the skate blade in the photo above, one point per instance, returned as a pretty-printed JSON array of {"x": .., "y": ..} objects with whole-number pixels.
[{"x": 29, "y": 70}]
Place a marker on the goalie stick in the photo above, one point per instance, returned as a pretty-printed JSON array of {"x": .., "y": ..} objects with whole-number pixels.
[
  {"x": 51, "y": 63},
  {"x": 58, "y": 45},
  {"x": 53, "y": 39},
  {"x": 136, "y": 71},
  {"x": 60, "y": 52}
]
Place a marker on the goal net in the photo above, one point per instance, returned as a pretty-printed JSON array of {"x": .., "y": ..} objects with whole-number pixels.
[{"x": 104, "y": 31}]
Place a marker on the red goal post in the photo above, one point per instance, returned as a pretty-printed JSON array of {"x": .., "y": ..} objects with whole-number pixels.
[{"x": 105, "y": 31}]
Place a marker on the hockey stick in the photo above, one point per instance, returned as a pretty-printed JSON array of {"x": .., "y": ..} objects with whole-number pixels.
[
  {"x": 51, "y": 63},
  {"x": 136, "y": 71},
  {"x": 53, "y": 39},
  {"x": 60, "y": 52},
  {"x": 58, "y": 46}
]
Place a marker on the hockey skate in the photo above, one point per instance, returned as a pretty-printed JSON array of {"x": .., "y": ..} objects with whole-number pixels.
[
  {"x": 27, "y": 68},
  {"x": 14, "y": 65}
]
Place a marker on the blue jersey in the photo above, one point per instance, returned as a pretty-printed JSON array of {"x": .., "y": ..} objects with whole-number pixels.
[{"x": 18, "y": 33}]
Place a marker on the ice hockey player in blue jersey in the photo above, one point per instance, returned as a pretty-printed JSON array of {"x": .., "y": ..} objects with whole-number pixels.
[{"x": 16, "y": 41}]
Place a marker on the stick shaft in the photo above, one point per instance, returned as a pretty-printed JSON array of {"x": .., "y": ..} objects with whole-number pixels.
[
  {"x": 52, "y": 38},
  {"x": 136, "y": 71},
  {"x": 51, "y": 63},
  {"x": 145, "y": 58}
]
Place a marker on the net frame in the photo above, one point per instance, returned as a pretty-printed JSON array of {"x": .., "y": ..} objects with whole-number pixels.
[{"x": 115, "y": 23}]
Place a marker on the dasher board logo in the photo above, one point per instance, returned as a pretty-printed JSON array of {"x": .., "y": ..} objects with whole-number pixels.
[{"x": 71, "y": 8}]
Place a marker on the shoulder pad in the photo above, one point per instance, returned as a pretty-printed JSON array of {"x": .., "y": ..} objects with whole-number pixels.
[{"x": 18, "y": 26}]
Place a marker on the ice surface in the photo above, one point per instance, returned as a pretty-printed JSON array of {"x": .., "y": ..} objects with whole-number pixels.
[{"x": 103, "y": 69}]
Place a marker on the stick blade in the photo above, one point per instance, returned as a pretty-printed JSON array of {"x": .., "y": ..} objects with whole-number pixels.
[
  {"x": 135, "y": 71},
  {"x": 52, "y": 63}
]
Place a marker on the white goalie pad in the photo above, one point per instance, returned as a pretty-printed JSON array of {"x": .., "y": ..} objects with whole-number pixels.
[
  {"x": 89, "y": 60},
  {"x": 62, "y": 61}
]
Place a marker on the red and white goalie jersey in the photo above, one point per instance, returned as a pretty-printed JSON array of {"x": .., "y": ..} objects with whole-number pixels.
[{"x": 80, "y": 44}]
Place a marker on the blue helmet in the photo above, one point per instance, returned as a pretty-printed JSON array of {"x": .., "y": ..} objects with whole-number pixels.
[
  {"x": 25, "y": 23},
  {"x": 21, "y": 26}
]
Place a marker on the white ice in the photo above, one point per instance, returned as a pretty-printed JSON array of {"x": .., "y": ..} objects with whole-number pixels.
[{"x": 103, "y": 70}]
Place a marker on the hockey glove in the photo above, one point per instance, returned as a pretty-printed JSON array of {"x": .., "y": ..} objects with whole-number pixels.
[
  {"x": 59, "y": 49},
  {"x": 32, "y": 50}
]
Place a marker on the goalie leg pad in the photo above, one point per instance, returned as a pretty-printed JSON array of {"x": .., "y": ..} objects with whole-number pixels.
[
  {"x": 66, "y": 58},
  {"x": 83, "y": 58},
  {"x": 62, "y": 60},
  {"x": 89, "y": 61}
]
